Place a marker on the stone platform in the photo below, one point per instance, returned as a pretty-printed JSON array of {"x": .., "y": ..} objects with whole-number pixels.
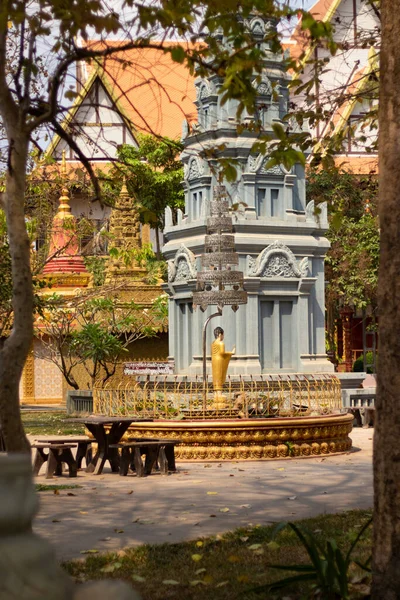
[{"x": 252, "y": 439}]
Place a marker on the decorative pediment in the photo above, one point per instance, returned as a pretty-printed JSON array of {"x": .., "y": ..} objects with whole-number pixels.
[
  {"x": 194, "y": 169},
  {"x": 276, "y": 260},
  {"x": 257, "y": 27},
  {"x": 183, "y": 267},
  {"x": 264, "y": 88},
  {"x": 257, "y": 164},
  {"x": 204, "y": 90}
]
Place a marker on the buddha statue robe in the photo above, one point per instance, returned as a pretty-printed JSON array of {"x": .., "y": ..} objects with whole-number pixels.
[{"x": 219, "y": 363}]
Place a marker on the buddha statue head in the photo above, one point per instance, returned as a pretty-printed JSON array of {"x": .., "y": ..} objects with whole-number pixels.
[{"x": 219, "y": 333}]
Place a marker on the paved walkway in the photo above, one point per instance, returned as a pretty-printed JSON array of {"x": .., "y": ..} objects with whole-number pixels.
[{"x": 110, "y": 512}]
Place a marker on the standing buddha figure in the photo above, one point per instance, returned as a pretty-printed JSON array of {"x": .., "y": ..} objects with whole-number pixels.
[{"x": 219, "y": 364}]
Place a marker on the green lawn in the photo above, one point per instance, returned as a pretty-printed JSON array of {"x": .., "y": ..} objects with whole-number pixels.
[
  {"x": 225, "y": 567},
  {"x": 49, "y": 423}
]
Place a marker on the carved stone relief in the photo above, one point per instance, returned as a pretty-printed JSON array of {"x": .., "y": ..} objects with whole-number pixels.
[
  {"x": 257, "y": 164},
  {"x": 183, "y": 267},
  {"x": 195, "y": 169},
  {"x": 277, "y": 260}
]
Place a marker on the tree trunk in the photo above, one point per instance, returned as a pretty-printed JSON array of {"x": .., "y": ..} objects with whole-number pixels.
[
  {"x": 386, "y": 546},
  {"x": 158, "y": 245},
  {"x": 16, "y": 347}
]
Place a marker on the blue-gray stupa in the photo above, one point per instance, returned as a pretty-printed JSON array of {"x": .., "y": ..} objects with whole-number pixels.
[{"x": 280, "y": 241}]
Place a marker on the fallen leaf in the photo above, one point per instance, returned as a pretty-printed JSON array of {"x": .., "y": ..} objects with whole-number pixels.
[
  {"x": 244, "y": 538},
  {"x": 245, "y": 506},
  {"x": 255, "y": 547},
  {"x": 212, "y": 493},
  {"x": 273, "y": 545},
  {"x": 56, "y": 492},
  {"x": 89, "y": 551},
  {"x": 111, "y": 567},
  {"x": 207, "y": 579},
  {"x": 230, "y": 476},
  {"x": 170, "y": 582},
  {"x": 119, "y": 530},
  {"x": 233, "y": 559},
  {"x": 197, "y": 557},
  {"x": 292, "y": 497},
  {"x": 240, "y": 469},
  {"x": 138, "y": 578},
  {"x": 199, "y": 544},
  {"x": 131, "y": 492},
  {"x": 259, "y": 551},
  {"x": 243, "y": 578},
  {"x": 83, "y": 512},
  {"x": 213, "y": 515},
  {"x": 195, "y": 582},
  {"x": 56, "y": 521},
  {"x": 70, "y": 494},
  {"x": 224, "y": 510},
  {"x": 199, "y": 571},
  {"x": 221, "y": 584}
]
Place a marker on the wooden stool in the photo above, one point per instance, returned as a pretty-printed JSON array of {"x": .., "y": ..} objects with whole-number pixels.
[
  {"x": 154, "y": 450},
  {"x": 58, "y": 454}
]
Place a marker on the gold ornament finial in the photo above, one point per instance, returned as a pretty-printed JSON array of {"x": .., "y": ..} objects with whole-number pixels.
[
  {"x": 124, "y": 189},
  {"x": 64, "y": 209},
  {"x": 63, "y": 166}
]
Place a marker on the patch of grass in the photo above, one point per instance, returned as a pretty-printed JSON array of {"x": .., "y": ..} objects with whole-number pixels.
[
  {"x": 225, "y": 567},
  {"x": 49, "y": 423},
  {"x": 43, "y": 487}
]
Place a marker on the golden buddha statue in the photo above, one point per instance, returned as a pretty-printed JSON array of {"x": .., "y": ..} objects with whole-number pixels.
[{"x": 219, "y": 364}]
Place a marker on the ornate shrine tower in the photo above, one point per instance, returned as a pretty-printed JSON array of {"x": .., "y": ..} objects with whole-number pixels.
[
  {"x": 128, "y": 277},
  {"x": 65, "y": 266},
  {"x": 279, "y": 240}
]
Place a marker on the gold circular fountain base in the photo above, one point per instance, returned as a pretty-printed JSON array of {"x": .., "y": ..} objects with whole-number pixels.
[{"x": 252, "y": 439}]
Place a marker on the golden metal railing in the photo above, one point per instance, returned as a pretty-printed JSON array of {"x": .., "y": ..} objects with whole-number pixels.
[{"x": 167, "y": 397}]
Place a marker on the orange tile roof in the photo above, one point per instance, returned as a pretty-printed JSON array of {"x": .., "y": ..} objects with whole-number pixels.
[
  {"x": 358, "y": 165},
  {"x": 320, "y": 10},
  {"x": 155, "y": 93}
]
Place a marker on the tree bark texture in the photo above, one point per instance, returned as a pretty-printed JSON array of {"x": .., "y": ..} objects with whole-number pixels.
[
  {"x": 15, "y": 348},
  {"x": 386, "y": 546}
]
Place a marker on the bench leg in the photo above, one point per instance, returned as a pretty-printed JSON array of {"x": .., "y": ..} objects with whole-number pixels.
[
  {"x": 52, "y": 463},
  {"x": 39, "y": 460},
  {"x": 66, "y": 456},
  {"x": 162, "y": 461},
  {"x": 124, "y": 461},
  {"x": 151, "y": 459},
  {"x": 82, "y": 453},
  {"x": 137, "y": 460},
  {"x": 170, "y": 456}
]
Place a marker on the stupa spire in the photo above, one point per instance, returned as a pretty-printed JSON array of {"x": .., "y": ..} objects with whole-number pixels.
[{"x": 64, "y": 256}]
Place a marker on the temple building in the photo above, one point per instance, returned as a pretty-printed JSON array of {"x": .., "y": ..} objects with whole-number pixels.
[{"x": 280, "y": 240}]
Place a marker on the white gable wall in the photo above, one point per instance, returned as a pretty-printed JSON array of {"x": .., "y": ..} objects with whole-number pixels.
[
  {"x": 98, "y": 128},
  {"x": 341, "y": 69}
]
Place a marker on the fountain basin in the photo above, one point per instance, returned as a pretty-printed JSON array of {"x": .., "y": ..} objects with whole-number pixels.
[{"x": 252, "y": 439}]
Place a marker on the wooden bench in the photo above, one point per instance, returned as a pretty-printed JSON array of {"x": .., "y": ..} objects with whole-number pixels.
[
  {"x": 57, "y": 455},
  {"x": 84, "y": 446},
  {"x": 161, "y": 451}
]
